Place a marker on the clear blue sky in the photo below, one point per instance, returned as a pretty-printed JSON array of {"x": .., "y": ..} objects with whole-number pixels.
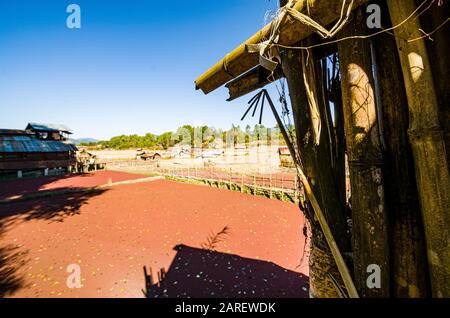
[{"x": 129, "y": 69}]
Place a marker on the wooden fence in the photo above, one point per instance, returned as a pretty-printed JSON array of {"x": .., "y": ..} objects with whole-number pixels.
[{"x": 282, "y": 186}]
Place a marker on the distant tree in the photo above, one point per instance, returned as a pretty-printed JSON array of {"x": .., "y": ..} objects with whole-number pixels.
[
  {"x": 166, "y": 140},
  {"x": 148, "y": 141},
  {"x": 185, "y": 135}
]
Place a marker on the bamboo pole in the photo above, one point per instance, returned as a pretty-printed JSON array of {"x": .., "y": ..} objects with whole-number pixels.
[
  {"x": 319, "y": 214},
  {"x": 427, "y": 140},
  {"x": 320, "y": 174},
  {"x": 239, "y": 60},
  {"x": 369, "y": 215},
  {"x": 270, "y": 184},
  {"x": 407, "y": 238},
  {"x": 437, "y": 48},
  {"x": 342, "y": 266}
]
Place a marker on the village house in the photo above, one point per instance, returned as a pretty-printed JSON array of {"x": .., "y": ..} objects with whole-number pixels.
[{"x": 39, "y": 150}]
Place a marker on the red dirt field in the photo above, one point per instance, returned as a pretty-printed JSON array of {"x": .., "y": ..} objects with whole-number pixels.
[
  {"x": 111, "y": 234},
  {"x": 27, "y": 186}
]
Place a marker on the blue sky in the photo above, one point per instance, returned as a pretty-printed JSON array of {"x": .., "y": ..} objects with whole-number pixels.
[{"x": 129, "y": 69}]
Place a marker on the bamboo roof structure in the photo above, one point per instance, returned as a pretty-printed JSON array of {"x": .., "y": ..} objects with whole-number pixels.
[{"x": 291, "y": 31}]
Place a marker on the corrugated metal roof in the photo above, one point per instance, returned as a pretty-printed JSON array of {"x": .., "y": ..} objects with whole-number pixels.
[
  {"x": 49, "y": 127},
  {"x": 27, "y": 144}
]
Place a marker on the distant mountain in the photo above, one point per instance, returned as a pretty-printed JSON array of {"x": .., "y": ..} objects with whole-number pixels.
[{"x": 83, "y": 140}]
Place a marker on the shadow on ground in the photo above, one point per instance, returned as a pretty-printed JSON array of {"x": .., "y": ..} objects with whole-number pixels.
[
  {"x": 55, "y": 208},
  {"x": 20, "y": 187},
  {"x": 52, "y": 209},
  {"x": 11, "y": 259},
  {"x": 200, "y": 273}
]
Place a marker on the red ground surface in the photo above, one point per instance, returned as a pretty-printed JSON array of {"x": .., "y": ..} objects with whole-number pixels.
[
  {"x": 112, "y": 234},
  {"x": 27, "y": 186}
]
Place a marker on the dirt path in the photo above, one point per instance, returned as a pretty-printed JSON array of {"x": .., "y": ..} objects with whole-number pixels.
[{"x": 113, "y": 233}]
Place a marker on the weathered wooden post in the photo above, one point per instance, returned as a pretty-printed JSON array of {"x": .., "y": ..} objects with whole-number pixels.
[
  {"x": 369, "y": 215},
  {"x": 438, "y": 48},
  {"x": 428, "y": 144},
  {"x": 316, "y": 160},
  {"x": 270, "y": 184},
  {"x": 407, "y": 240},
  {"x": 296, "y": 198}
]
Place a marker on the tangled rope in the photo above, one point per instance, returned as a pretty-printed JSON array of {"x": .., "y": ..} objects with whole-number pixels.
[{"x": 268, "y": 50}]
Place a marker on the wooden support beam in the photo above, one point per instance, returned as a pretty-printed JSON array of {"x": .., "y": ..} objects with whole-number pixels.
[
  {"x": 428, "y": 144},
  {"x": 316, "y": 163},
  {"x": 407, "y": 238},
  {"x": 252, "y": 80},
  {"x": 369, "y": 215},
  {"x": 438, "y": 48}
]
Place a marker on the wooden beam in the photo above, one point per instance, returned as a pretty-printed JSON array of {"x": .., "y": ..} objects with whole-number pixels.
[
  {"x": 240, "y": 61},
  {"x": 437, "y": 48},
  {"x": 369, "y": 215},
  {"x": 407, "y": 238},
  {"x": 317, "y": 167},
  {"x": 251, "y": 81},
  {"x": 428, "y": 144}
]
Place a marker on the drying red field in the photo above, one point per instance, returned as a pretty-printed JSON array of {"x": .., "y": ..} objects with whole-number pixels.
[
  {"x": 27, "y": 186},
  {"x": 110, "y": 235}
]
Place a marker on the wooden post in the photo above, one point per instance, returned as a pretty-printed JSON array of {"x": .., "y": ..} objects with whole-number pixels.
[
  {"x": 316, "y": 161},
  {"x": 270, "y": 184},
  {"x": 428, "y": 144},
  {"x": 407, "y": 239},
  {"x": 369, "y": 215},
  {"x": 437, "y": 48},
  {"x": 296, "y": 193}
]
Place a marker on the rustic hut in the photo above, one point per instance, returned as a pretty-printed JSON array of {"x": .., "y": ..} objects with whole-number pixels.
[
  {"x": 286, "y": 160},
  {"x": 49, "y": 131},
  {"x": 35, "y": 152},
  {"x": 387, "y": 86}
]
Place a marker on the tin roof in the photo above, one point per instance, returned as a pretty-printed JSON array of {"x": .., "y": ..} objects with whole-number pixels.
[
  {"x": 27, "y": 143},
  {"x": 49, "y": 127}
]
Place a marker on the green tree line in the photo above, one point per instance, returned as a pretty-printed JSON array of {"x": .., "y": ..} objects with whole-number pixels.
[{"x": 188, "y": 135}]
